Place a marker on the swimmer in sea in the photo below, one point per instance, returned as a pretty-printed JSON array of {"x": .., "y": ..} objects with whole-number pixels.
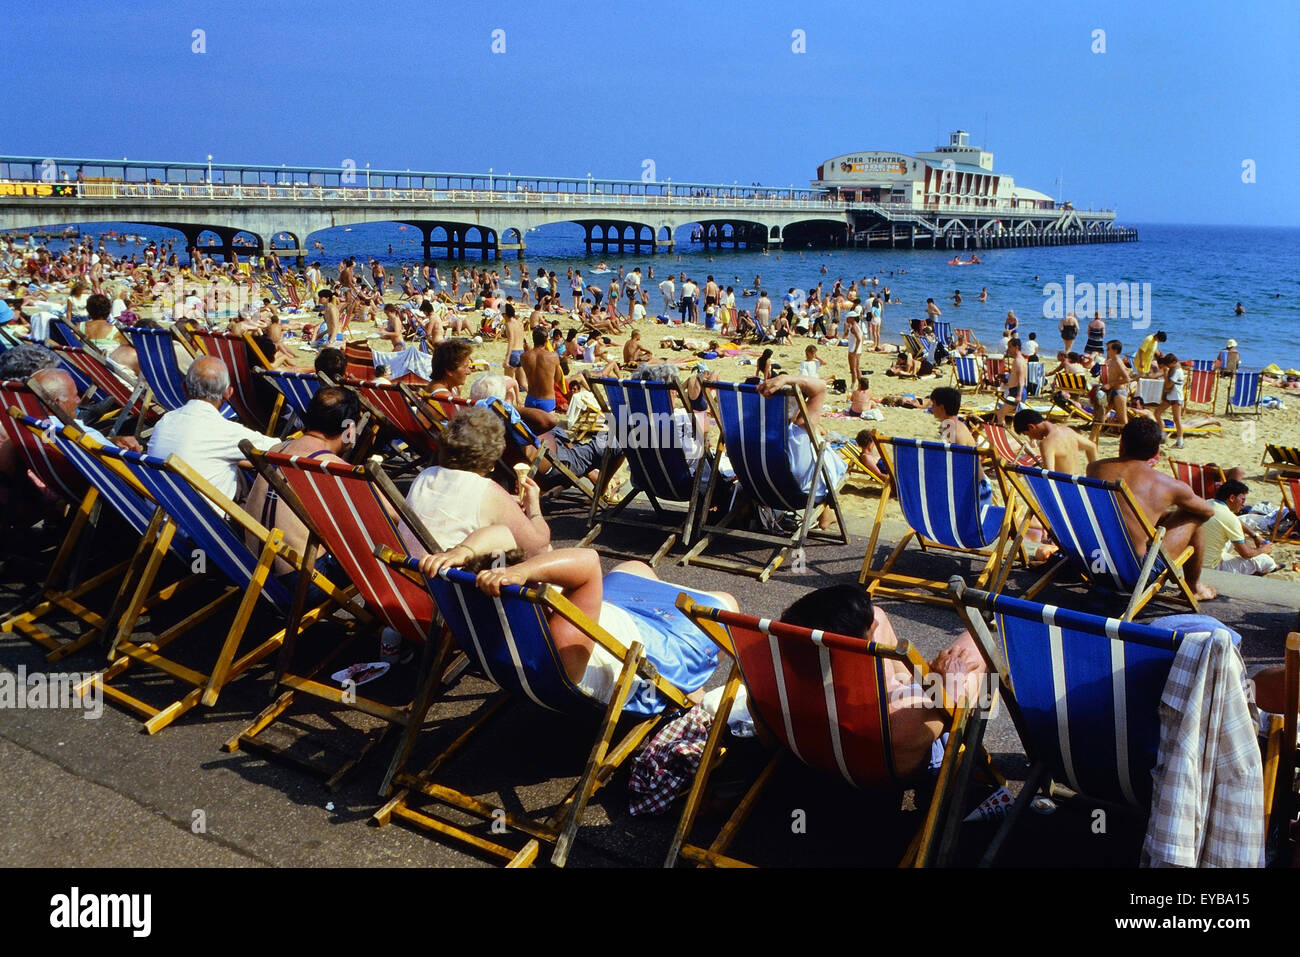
[{"x": 1241, "y": 310}]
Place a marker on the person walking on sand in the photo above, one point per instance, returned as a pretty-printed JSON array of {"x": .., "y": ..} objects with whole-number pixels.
[{"x": 855, "y": 337}]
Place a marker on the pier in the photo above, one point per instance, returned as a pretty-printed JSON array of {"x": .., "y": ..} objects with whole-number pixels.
[{"x": 228, "y": 210}]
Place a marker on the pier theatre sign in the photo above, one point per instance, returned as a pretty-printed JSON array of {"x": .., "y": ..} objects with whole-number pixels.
[
  {"x": 890, "y": 164},
  {"x": 38, "y": 189}
]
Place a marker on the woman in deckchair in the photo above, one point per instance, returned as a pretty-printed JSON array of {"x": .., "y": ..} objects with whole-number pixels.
[{"x": 631, "y": 603}]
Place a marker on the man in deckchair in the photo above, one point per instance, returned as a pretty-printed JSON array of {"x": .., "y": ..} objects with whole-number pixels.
[
  {"x": 916, "y": 722},
  {"x": 59, "y": 388},
  {"x": 631, "y": 603},
  {"x": 1165, "y": 501},
  {"x": 1058, "y": 445},
  {"x": 803, "y": 458}
]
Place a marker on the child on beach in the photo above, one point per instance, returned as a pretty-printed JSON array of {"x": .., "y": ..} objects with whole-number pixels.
[
  {"x": 861, "y": 400},
  {"x": 1172, "y": 396}
]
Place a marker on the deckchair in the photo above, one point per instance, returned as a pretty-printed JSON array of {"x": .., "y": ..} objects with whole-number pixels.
[
  {"x": 756, "y": 433},
  {"x": 1151, "y": 391},
  {"x": 36, "y": 455},
  {"x": 943, "y": 331},
  {"x": 155, "y": 351},
  {"x": 1083, "y": 692},
  {"x": 239, "y": 352},
  {"x": 1203, "y": 365},
  {"x": 508, "y": 640},
  {"x": 938, "y": 489},
  {"x": 966, "y": 337},
  {"x": 296, "y": 389},
  {"x": 1085, "y": 516},
  {"x": 1203, "y": 479},
  {"x": 995, "y": 368},
  {"x": 1202, "y": 389},
  {"x": 1034, "y": 378},
  {"x": 1290, "y": 499},
  {"x": 190, "y": 507},
  {"x": 411, "y": 420},
  {"x": 60, "y": 591},
  {"x": 1283, "y": 459},
  {"x": 1280, "y": 785},
  {"x": 665, "y": 453},
  {"x": 824, "y": 697},
  {"x": 965, "y": 372},
  {"x": 912, "y": 345},
  {"x": 360, "y": 361},
  {"x": 1007, "y": 448},
  {"x": 349, "y": 511},
  {"x": 518, "y": 432},
  {"x": 1245, "y": 393},
  {"x": 85, "y": 367}
]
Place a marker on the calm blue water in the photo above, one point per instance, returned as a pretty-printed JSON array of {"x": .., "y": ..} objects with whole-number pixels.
[{"x": 1196, "y": 275}]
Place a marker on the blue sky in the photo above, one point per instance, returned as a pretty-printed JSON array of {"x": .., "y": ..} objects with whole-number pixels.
[{"x": 1158, "y": 125}]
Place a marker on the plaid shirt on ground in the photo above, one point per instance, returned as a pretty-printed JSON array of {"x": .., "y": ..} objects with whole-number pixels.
[
  {"x": 665, "y": 768},
  {"x": 1207, "y": 805}
]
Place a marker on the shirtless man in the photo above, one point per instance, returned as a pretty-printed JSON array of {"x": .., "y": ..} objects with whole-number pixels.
[
  {"x": 1017, "y": 375},
  {"x": 541, "y": 368},
  {"x": 633, "y": 351},
  {"x": 945, "y": 403},
  {"x": 1116, "y": 376},
  {"x": 1058, "y": 445},
  {"x": 331, "y": 316},
  {"x": 1164, "y": 500},
  {"x": 433, "y": 328},
  {"x": 514, "y": 345}
]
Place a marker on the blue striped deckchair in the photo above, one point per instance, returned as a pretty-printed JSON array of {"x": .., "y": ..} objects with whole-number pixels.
[
  {"x": 295, "y": 388},
  {"x": 825, "y": 698},
  {"x": 1245, "y": 393},
  {"x": 155, "y": 351},
  {"x": 943, "y": 331},
  {"x": 348, "y": 511},
  {"x": 1084, "y": 694},
  {"x": 65, "y": 333},
  {"x": 1085, "y": 517},
  {"x": 665, "y": 454},
  {"x": 215, "y": 528},
  {"x": 581, "y": 487},
  {"x": 966, "y": 372},
  {"x": 508, "y": 639},
  {"x": 756, "y": 434},
  {"x": 938, "y": 487}
]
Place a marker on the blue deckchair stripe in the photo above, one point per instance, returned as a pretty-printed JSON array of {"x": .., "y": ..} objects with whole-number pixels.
[
  {"x": 1245, "y": 389},
  {"x": 198, "y": 520},
  {"x": 967, "y": 370},
  {"x": 1203, "y": 365},
  {"x": 157, "y": 357},
  {"x": 136, "y": 511},
  {"x": 938, "y": 489},
  {"x": 755, "y": 430},
  {"x": 664, "y": 471},
  {"x": 943, "y": 331},
  {"x": 298, "y": 388},
  {"x": 1088, "y": 689}
]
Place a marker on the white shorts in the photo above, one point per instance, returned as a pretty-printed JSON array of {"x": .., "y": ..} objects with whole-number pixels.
[{"x": 1259, "y": 565}]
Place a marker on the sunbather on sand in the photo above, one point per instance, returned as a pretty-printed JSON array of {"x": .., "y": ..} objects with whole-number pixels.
[
  {"x": 631, "y": 603},
  {"x": 916, "y": 726},
  {"x": 1164, "y": 500}
]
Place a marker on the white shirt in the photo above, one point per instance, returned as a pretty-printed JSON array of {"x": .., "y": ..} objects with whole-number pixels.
[
  {"x": 207, "y": 442},
  {"x": 667, "y": 288}
]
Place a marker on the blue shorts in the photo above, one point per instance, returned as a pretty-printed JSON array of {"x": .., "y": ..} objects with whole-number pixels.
[
  {"x": 516, "y": 358},
  {"x": 546, "y": 405}
]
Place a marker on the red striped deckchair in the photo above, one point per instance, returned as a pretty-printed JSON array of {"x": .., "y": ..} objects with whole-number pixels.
[
  {"x": 44, "y": 463},
  {"x": 1203, "y": 479},
  {"x": 130, "y": 400},
  {"x": 236, "y": 351},
  {"x": 1202, "y": 389},
  {"x": 1007, "y": 448},
  {"x": 360, "y": 361},
  {"x": 825, "y": 697},
  {"x": 395, "y": 405},
  {"x": 995, "y": 368},
  {"x": 350, "y": 512}
]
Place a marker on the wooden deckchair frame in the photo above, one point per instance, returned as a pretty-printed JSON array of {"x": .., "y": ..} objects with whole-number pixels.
[
  {"x": 1284, "y": 459},
  {"x": 782, "y": 544},
  {"x": 1148, "y": 585},
  {"x": 934, "y": 840},
  {"x": 612, "y": 460},
  {"x": 1290, "y": 487},
  {"x": 139, "y": 581},
  {"x": 997, "y": 563},
  {"x": 561, "y": 827}
]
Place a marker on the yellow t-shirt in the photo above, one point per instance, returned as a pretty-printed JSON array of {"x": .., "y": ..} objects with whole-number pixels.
[
  {"x": 1145, "y": 353},
  {"x": 1221, "y": 533}
]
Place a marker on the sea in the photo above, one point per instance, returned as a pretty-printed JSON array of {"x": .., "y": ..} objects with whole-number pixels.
[{"x": 1184, "y": 280}]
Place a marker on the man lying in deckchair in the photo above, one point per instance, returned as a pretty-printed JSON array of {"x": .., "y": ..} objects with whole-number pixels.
[
  {"x": 1165, "y": 500},
  {"x": 916, "y": 721},
  {"x": 631, "y": 603}
]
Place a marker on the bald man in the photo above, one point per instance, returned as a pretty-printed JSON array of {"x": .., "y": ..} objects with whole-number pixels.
[
  {"x": 200, "y": 436},
  {"x": 57, "y": 387}
]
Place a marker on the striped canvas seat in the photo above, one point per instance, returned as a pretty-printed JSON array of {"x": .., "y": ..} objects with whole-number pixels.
[
  {"x": 508, "y": 639},
  {"x": 1202, "y": 388},
  {"x": 1281, "y": 458},
  {"x": 1083, "y": 691},
  {"x": 155, "y": 351},
  {"x": 1203, "y": 479},
  {"x": 756, "y": 433},
  {"x": 825, "y": 697},
  {"x": 912, "y": 344},
  {"x": 1245, "y": 394},
  {"x": 1007, "y": 448},
  {"x": 84, "y": 367},
  {"x": 943, "y": 331},
  {"x": 297, "y": 388},
  {"x": 1085, "y": 518},
  {"x": 36, "y": 454},
  {"x": 966, "y": 372},
  {"x": 663, "y": 448},
  {"x": 994, "y": 370},
  {"x": 235, "y": 351},
  {"x": 1073, "y": 383},
  {"x": 938, "y": 488},
  {"x": 1034, "y": 378},
  {"x": 409, "y": 417},
  {"x": 1290, "y": 488},
  {"x": 1151, "y": 391},
  {"x": 65, "y": 333},
  {"x": 1204, "y": 365}
]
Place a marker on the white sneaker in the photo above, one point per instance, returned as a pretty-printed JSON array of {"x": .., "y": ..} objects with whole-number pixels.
[{"x": 1178, "y": 444}]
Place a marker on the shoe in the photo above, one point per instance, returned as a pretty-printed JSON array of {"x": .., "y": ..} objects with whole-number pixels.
[{"x": 1178, "y": 444}]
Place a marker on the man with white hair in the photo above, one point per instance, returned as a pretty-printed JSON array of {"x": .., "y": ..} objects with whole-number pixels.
[
  {"x": 55, "y": 387},
  {"x": 200, "y": 436}
]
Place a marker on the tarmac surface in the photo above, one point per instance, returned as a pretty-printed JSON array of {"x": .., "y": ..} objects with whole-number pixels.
[{"x": 82, "y": 793}]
